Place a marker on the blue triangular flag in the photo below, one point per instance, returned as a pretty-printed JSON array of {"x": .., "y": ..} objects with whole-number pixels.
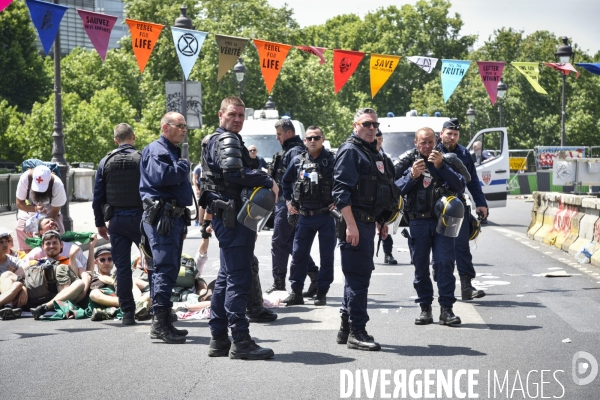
[
  {"x": 187, "y": 44},
  {"x": 452, "y": 73},
  {"x": 46, "y": 17},
  {"x": 593, "y": 68}
]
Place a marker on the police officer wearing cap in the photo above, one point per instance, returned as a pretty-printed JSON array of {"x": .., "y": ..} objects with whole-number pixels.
[
  {"x": 306, "y": 186},
  {"x": 283, "y": 233},
  {"x": 425, "y": 184},
  {"x": 227, "y": 170},
  {"x": 363, "y": 189},
  {"x": 464, "y": 260},
  {"x": 166, "y": 191},
  {"x": 388, "y": 242},
  {"x": 117, "y": 201}
]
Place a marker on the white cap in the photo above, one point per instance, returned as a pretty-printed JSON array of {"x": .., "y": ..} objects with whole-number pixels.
[
  {"x": 41, "y": 178},
  {"x": 4, "y": 232}
]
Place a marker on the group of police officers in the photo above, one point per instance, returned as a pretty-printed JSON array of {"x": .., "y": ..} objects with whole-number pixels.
[{"x": 350, "y": 196}]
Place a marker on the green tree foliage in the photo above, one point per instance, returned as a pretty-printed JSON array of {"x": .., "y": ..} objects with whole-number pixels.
[{"x": 23, "y": 79}]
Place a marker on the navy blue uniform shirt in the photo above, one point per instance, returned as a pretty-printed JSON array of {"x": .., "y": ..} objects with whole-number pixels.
[
  {"x": 298, "y": 148},
  {"x": 326, "y": 162},
  {"x": 475, "y": 185},
  {"x": 100, "y": 187},
  {"x": 455, "y": 181},
  {"x": 253, "y": 178},
  {"x": 350, "y": 163},
  {"x": 164, "y": 174}
]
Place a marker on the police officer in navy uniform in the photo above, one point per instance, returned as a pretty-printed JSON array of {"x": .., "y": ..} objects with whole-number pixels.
[
  {"x": 306, "y": 186},
  {"x": 423, "y": 184},
  {"x": 464, "y": 260},
  {"x": 227, "y": 169},
  {"x": 363, "y": 189},
  {"x": 117, "y": 200},
  {"x": 388, "y": 242},
  {"x": 166, "y": 192},
  {"x": 283, "y": 233}
]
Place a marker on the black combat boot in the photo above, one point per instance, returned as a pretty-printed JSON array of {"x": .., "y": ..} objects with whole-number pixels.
[
  {"x": 467, "y": 290},
  {"x": 219, "y": 346},
  {"x": 344, "y": 332},
  {"x": 162, "y": 329},
  {"x": 261, "y": 314},
  {"x": 361, "y": 340},
  {"x": 389, "y": 259},
  {"x": 247, "y": 349},
  {"x": 312, "y": 289},
  {"x": 426, "y": 316},
  {"x": 128, "y": 318},
  {"x": 321, "y": 298},
  {"x": 278, "y": 284},
  {"x": 178, "y": 332},
  {"x": 447, "y": 317},
  {"x": 295, "y": 298}
]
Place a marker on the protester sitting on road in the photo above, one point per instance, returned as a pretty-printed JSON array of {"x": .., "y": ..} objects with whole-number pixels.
[
  {"x": 67, "y": 287},
  {"x": 11, "y": 244},
  {"x": 69, "y": 248},
  {"x": 104, "y": 287},
  {"x": 12, "y": 296},
  {"x": 38, "y": 191},
  {"x": 9, "y": 262}
]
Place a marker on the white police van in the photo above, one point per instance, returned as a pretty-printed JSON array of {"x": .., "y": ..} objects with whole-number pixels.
[{"x": 399, "y": 135}]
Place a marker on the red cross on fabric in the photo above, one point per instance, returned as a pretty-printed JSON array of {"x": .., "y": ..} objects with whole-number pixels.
[{"x": 39, "y": 179}]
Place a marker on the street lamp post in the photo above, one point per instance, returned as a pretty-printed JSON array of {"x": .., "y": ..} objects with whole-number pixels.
[
  {"x": 502, "y": 89},
  {"x": 239, "y": 74},
  {"x": 563, "y": 55},
  {"x": 58, "y": 148},
  {"x": 184, "y": 22},
  {"x": 471, "y": 116}
]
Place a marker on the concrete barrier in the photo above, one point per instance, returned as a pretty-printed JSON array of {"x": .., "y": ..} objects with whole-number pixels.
[
  {"x": 586, "y": 225},
  {"x": 549, "y": 214},
  {"x": 574, "y": 232},
  {"x": 539, "y": 207}
]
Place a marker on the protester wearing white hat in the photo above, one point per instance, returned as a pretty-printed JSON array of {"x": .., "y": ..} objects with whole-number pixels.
[{"x": 38, "y": 191}]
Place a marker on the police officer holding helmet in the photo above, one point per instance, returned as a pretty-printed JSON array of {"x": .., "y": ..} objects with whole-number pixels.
[
  {"x": 306, "y": 186},
  {"x": 363, "y": 190},
  {"x": 283, "y": 233},
  {"x": 166, "y": 191},
  {"x": 464, "y": 260},
  {"x": 228, "y": 173},
  {"x": 117, "y": 201},
  {"x": 435, "y": 215}
]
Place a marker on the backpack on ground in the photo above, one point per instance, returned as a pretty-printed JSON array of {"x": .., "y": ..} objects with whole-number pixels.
[{"x": 40, "y": 281}]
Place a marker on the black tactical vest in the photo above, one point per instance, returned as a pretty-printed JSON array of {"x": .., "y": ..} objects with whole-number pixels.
[
  {"x": 277, "y": 167},
  {"x": 422, "y": 197},
  {"x": 305, "y": 190},
  {"x": 376, "y": 190},
  {"x": 121, "y": 173}
]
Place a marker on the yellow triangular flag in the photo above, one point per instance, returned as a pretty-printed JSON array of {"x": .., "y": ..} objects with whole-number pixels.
[
  {"x": 382, "y": 67},
  {"x": 531, "y": 71}
]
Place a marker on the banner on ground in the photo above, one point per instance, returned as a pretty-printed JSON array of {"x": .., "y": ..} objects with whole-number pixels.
[
  {"x": 594, "y": 68},
  {"x": 382, "y": 67},
  {"x": 4, "y": 4},
  {"x": 98, "y": 28},
  {"x": 271, "y": 56},
  {"x": 531, "y": 71},
  {"x": 491, "y": 73},
  {"x": 144, "y": 36},
  {"x": 345, "y": 63},
  {"x": 564, "y": 69},
  {"x": 317, "y": 51},
  {"x": 187, "y": 45},
  {"x": 452, "y": 73},
  {"x": 230, "y": 49},
  {"x": 46, "y": 18},
  {"x": 427, "y": 64}
]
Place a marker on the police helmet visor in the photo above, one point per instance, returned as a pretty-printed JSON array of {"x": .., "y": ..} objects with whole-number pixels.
[
  {"x": 394, "y": 221},
  {"x": 253, "y": 216},
  {"x": 448, "y": 226}
]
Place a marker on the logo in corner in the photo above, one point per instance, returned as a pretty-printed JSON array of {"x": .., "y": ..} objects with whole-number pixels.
[{"x": 486, "y": 176}]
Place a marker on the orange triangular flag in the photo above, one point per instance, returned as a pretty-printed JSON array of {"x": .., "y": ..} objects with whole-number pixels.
[
  {"x": 272, "y": 55},
  {"x": 344, "y": 65},
  {"x": 144, "y": 36},
  {"x": 382, "y": 67}
]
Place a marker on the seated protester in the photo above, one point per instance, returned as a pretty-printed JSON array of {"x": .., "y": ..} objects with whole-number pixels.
[
  {"x": 67, "y": 285},
  {"x": 11, "y": 244},
  {"x": 138, "y": 270},
  {"x": 38, "y": 191},
  {"x": 69, "y": 248},
  {"x": 104, "y": 287},
  {"x": 9, "y": 262},
  {"x": 12, "y": 295}
]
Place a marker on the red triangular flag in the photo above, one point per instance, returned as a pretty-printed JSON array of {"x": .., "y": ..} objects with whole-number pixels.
[
  {"x": 491, "y": 73},
  {"x": 317, "y": 51},
  {"x": 562, "y": 68},
  {"x": 345, "y": 63}
]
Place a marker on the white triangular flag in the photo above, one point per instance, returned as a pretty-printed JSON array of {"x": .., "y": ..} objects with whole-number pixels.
[{"x": 426, "y": 63}]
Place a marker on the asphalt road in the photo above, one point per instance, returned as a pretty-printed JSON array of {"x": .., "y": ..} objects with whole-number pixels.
[{"x": 517, "y": 342}]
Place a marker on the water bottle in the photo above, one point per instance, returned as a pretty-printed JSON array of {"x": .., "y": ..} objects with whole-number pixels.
[
  {"x": 583, "y": 256},
  {"x": 314, "y": 177}
]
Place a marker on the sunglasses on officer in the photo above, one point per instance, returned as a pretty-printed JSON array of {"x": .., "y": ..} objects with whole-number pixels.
[
  {"x": 368, "y": 124},
  {"x": 180, "y": 126},
  {"x": 313, "y": 138}
]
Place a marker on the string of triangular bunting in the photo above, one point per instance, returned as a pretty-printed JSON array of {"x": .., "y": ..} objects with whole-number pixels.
[{"x": 47, "y": 17}]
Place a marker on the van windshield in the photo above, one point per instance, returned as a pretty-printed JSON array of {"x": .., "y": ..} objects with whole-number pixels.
[
  {"x": 396, "y": 143},
  {"x": 267, "y": 145}
]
